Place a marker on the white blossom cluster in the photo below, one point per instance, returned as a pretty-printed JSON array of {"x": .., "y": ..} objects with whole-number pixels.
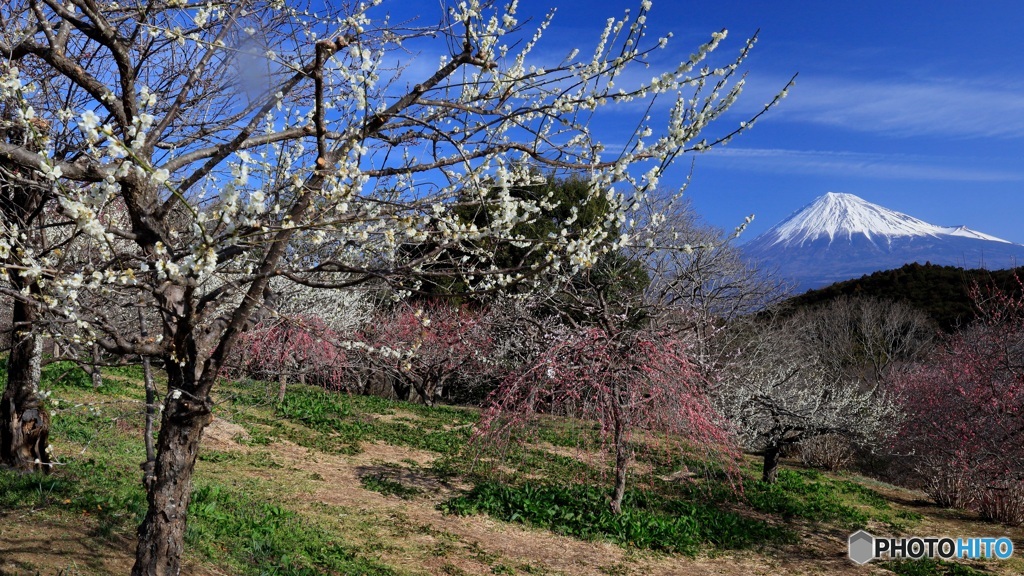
[{"x": 226, "y": 143}]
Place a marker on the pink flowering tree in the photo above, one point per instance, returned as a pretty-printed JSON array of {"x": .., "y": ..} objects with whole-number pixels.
[
  {"x": 305, "y": 334},
  {"x": 631, "y": 387},
  {"x": 965, "y": 413},
  {"x": 302, "y": 348},
  {"x": 425, "y": 347}
]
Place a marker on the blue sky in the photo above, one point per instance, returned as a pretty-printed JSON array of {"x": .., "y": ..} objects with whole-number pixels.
[
  {"x": 918, "y": 106},
  {"x": 915, "y": 105}
]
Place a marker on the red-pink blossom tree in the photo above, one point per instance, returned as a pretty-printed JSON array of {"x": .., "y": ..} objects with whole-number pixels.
[
  {"x": 302, "y": 347},
  {"x": 965, "y": 412},
  {"x": 636, "y": 384},
  {"x": 430, "y": 343}
]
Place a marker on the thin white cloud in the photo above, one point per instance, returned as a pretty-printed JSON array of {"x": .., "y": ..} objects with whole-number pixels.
[
  {"x": 932, "y": 107},
  {"x": 857, "y": 164}
]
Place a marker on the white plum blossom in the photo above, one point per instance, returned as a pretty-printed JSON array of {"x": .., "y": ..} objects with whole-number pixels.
[{"x": 217, "y": 155}]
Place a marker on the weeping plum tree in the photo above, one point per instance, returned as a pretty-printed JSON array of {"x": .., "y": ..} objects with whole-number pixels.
[
  {"x": 622, "y": 359},
  {"x": 214, "y": 147},
  {"x": 640, "y": 383}
]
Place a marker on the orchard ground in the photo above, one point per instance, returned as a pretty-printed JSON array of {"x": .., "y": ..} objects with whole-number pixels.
[{"x": 325, "y": 483}]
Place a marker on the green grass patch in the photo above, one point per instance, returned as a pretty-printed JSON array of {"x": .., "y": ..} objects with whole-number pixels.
[
  {"x": 566, "y": 433},
  {"x": 132, "y": 371},
  {"x": 811, "y": 495},
  {"x": 929, "y": 567},
  {"x": 226, "y": 525},
  {"x": 647, "y": 521},
  {"x": 106, "y": 491},
  {"x": 258, "y": 538},
  {"x": 337, "y": 423}
]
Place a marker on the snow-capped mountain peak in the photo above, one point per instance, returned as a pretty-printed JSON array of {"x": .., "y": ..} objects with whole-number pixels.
[
  {"x": 840, "y": 216},
  {"x": 840, "y": 236}
]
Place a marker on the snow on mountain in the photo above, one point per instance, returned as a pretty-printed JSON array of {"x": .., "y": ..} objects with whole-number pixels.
[
  {"x": 844, "y": 215},
  {"x": 841, "y": 236},
  {"x": 968, "y": 233}
]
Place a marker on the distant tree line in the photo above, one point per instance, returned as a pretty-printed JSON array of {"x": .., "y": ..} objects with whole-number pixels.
[{"x": 941, "y": 292}]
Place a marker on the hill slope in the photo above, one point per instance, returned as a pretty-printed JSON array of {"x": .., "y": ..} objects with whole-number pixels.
[{"x": 326, "y": 483}]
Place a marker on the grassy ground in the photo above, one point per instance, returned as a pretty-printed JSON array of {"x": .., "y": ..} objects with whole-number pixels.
[{"x": 331, "y": 484}]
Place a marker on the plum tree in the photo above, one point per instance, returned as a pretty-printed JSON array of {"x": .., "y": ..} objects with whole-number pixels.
[{"x": 203, "y": 149}]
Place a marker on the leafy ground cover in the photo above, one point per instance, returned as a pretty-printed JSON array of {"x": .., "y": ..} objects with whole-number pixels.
[{"x": 325, "y": 483}]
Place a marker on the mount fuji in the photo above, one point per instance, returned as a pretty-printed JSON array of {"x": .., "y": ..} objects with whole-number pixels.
[{"x": 841, "y": 236}]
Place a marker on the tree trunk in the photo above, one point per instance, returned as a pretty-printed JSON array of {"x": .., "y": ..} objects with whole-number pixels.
[
  {"x": 97, "y": 376},
  {"x": 770, "y": 472},
  {"x": 149, "y": 466},
  {"x": 282, "y": 385},
  {"x": 24, "y": 422},
  {"x": 424, "y": 389},
  {"x": 621, "y": 460},
  {"x": 161, "y": 536},
  {"x": 400, "y": 387},
  {"x": 162, "y": 532}
]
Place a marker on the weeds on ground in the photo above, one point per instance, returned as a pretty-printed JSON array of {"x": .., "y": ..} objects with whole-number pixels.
[
  {"x": 648, "y": 520},
  {"x": 100, "y": 479},
  {"x": 928, "y": 567},
  {"x": 256, "y": 537},
  {"x": 338, "y": 423}
]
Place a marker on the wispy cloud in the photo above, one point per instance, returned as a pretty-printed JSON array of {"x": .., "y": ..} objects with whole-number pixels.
[
  {"x": 858, "y": 164},
  {"x": 930, "y": 107}
]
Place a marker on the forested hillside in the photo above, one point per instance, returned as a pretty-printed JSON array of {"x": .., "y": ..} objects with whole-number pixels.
[{"x": 942, "y": 292}]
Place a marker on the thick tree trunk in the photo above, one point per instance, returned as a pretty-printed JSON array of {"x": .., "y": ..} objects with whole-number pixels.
[
  {"x": 24, "y": 422},
  {"x": 400, "y": 387},
  {"x": 770, "y": 471},
  {"x": 424, "y": 389},
  {"x": 162, "y": 533},
  {"x": 161, "y": 536}
]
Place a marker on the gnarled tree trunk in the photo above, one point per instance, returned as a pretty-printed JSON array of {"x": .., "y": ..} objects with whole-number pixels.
[
  {"x": 24, "y": 422},
  {"x": 187, "y": 411},
  {"x": 162, "y": 533}
]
